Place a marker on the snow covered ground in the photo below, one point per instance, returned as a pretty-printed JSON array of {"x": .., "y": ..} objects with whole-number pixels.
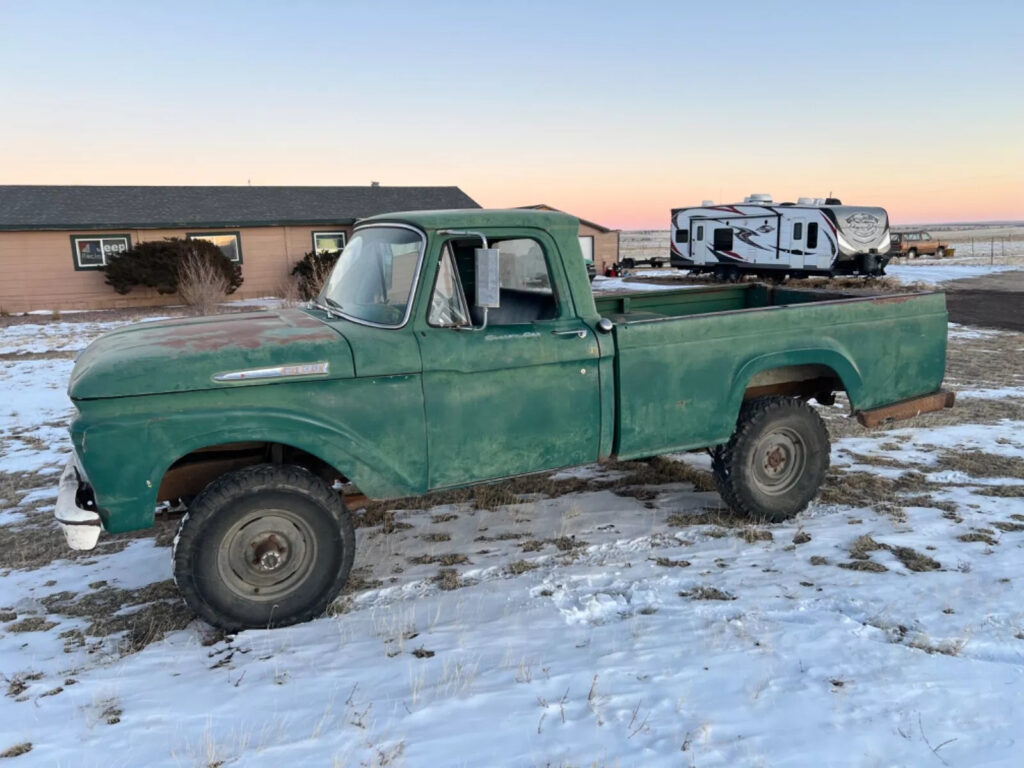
[
  {"x": 942, "y": 273},
  {"x": 608, "y": 621}
]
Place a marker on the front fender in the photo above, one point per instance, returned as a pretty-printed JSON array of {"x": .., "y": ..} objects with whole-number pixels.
[{"x": 382, "y": 450}]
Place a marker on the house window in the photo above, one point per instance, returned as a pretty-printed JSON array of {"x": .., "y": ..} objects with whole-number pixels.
[
  {"x": 587, "y": 247},
  {"x": 228, "y": 242},
  {"x": 94, "y": 251},
  {"x": 328, "y": 242},
  {"x": 812, "y": 235}
]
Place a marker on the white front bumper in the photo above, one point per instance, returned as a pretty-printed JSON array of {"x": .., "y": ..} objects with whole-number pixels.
[{"x": 81, "y": 526}]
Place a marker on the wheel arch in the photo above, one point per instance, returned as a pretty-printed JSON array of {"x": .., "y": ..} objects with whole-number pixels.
[
  {"x": 801, "y": 372},
  {"x": 195, "y": 451}
]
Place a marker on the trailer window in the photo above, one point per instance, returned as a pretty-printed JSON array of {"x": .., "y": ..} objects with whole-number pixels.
[
  {"x": 798, "y": 230},
  {"x": 812, "y": 235},
  {"x": 700, "y": 232},
  {"x": 723, "y": 239},
  {"x": 682, "y": 235}
]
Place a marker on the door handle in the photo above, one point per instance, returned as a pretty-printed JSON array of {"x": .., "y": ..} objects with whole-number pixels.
[{"x": 580, "y": 333}]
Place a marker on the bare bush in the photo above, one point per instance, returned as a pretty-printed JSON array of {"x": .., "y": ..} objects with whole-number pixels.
[{"x": 201, "y": 285}]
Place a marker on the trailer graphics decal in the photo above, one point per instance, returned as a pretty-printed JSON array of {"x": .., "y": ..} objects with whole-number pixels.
[{"x": 862, "y": 227}]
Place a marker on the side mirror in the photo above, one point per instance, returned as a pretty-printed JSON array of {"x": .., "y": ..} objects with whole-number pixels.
[{"x": 488, "y": 287}]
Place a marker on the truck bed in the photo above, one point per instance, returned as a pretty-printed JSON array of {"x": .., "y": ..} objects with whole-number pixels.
[
  {"x": 685, "y": 359},
  {"x": 656, "y": 305}
]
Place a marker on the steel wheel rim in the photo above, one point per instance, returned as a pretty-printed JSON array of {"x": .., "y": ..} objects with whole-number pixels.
[
  {"x": 267, "y": 554},
  {"x": 778, "y": 461}
]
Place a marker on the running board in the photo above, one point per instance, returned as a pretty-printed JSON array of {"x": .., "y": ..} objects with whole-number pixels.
[{"x": 907, "y": 409}]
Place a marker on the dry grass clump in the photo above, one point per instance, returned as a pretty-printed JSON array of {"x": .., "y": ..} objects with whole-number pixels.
[
  {"x": 979, "y": 535},
  {"x": 1006, "y": 527},
  {"x": 863, "y": 489},
  {"x": 723, "y": 517},
  {"x": 452, "y": 558},
  {"x": 706, "y": 593},
  {"x": 864, "y": 565},
  {"x": 161, "y": 611},
  {"x": 801, "y": 537},
  {"x": 981, "y": 464},
  {"x": 819, "y": 560},
  {"x": 32, "y": 624},
  {"x": 863, "y": 546},
  {"x": 660, "y": 470},
  {"x": 752, "y": 535},
  {"x": 18, "y": 749},
  {"x": 448, "y": 579},
  {"x": 667, "y": 563},
  {"x": 201, "y": 285},
  {"x": 521, "y": 566}
]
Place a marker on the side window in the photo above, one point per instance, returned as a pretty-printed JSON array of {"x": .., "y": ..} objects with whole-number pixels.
[
  {"x": 723, "y": 239},
  {"x": 448, "y": 307},
  {"x": 682, "y": 235},
  {"x": 798, "y": 230},
  {"x": 700, "y": 232},
  {"x": 812, "y": 235},
  {"x": 523, "y": 267}
]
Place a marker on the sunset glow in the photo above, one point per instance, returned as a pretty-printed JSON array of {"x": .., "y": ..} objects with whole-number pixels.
[{"x": 616, "y": 113}]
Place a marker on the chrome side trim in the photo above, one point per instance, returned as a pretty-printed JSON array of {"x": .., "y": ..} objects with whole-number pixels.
[{"x": 276, "y": 372}]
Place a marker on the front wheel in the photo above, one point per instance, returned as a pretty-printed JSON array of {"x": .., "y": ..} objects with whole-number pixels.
[
  {"x": 266, "y": 546},
  {"x": 775, "y": 461}
]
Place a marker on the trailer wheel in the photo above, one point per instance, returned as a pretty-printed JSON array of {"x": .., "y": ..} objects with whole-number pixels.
[
  {"x": 266, "y": 546},
  {"x": 776, "y": 460}
]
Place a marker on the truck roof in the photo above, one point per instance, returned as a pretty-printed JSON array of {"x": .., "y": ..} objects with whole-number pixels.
[{"x": 468, "y": 218}]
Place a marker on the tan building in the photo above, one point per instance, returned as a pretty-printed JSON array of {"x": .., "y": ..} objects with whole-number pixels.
[
  {"x": 599, "y": 244},
  {"x": 54, "y": 240}
]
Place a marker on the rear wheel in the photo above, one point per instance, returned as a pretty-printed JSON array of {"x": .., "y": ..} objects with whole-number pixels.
[
  {"x": 940, "y": 252},
  {"x": 266, "y": 546},
  {"x": 775, "y": 461},
  {"x": 912, "y": 253}
]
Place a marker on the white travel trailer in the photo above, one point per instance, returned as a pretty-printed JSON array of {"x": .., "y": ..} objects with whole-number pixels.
[{"x": 809, "y": 237}]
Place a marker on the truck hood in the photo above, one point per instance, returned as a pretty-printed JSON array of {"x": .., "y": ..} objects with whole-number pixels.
[{"x": 246, "y": 349}]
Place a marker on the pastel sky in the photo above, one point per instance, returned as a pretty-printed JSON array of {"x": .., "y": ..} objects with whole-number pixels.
[{"x": 616, "y": 112}]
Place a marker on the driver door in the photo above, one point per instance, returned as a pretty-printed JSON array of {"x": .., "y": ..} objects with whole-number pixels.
[{"x": 521, "y": 395}]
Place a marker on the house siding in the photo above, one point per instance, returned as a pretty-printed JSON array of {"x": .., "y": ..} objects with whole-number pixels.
[
  {"x": 39, "y": 268},
  {"x": 606, "y": 246}
]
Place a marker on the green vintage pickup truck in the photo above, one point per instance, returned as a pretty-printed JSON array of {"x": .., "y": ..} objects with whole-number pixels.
[{"x": 450, "y": 348}]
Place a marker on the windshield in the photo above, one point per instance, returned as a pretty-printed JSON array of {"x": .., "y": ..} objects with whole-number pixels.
[{"x": 373, "y": 279}]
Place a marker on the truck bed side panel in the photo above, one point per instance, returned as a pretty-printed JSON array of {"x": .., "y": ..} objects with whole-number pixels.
[{"x": 682, "y": 379}]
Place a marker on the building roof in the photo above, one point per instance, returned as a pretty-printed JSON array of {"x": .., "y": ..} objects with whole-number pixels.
[
  {"x": 31, "y": 207},
  {"x": 545, "y": 207}
]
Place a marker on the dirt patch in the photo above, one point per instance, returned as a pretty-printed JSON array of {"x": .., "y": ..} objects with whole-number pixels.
[
  {"x": 752, "y": 535},
  {"x": 988, "y": 308}
]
